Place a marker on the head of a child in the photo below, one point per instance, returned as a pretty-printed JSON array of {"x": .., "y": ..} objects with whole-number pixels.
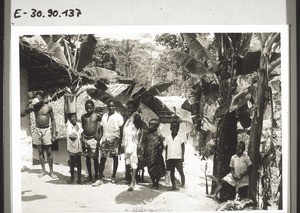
[
  {"x": 153, "y": 125},
  {"x": 240, "y": 148},
  {"x": 72, "y": 118},
  {"x": 89, "y": 106},
  {"x": 174, "y": 127},
  {"x": 132, "y": 107}
]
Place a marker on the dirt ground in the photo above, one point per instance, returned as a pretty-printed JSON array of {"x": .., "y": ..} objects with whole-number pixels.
[{"x": 48, "y": 195}]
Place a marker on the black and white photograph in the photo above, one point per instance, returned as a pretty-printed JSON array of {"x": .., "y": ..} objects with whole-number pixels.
[{"x": 150, "y": 119}]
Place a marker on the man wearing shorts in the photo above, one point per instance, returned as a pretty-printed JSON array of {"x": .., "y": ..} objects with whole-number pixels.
[
  {"x": 43, "y": 134},
  {"x": 175, "y": 154},
  {"x": 111, "y": 123}
]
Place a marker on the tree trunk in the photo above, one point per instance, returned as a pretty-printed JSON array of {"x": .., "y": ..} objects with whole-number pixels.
[
  {"x": 227, "y": 129},
  {"x": 226, "y": 147},
  {"x": 256, "y": 129},
  {"x": 70, "y": 105}
]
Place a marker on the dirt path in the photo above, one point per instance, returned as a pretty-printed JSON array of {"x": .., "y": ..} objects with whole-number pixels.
[{"x": 48, "y": 195}]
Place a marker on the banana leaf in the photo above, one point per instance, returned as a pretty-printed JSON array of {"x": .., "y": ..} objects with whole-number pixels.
[
  {"x": 99, "y": 73},
  {"x": 57, "y": 95},
  {"x": 103, "y": 96},
  {"x": 235, "y": 102},
  {"x": 199, "y": 51},
  {"x": 100, "y": 85},
  {"x": 250, "y": 63},
  {"x": 159, "y": 88},
  {"x": 189, "y": 62},
  {"x": 54, "y": 47},
  {"x": 124, "y": 96},
  {"x": 86, "y": 52}
]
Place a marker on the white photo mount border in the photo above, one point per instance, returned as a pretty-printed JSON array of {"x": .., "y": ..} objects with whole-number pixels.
[{"x": 14, "y": 88}]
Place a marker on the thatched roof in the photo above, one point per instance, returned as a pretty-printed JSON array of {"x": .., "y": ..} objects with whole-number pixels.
[
  {"x": 47, "y": 72},
  {"x": 44, "y": 71},
  {"x": 159, "y": 108}
]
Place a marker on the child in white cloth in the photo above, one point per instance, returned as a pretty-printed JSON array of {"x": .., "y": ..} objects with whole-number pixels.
[
  {"x": 74, "y": 146},
  {"x": 240, "y": 165}
]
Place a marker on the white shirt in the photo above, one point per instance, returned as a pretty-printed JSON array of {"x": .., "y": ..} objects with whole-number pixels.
[
  {"x": 74, "y": 132},
  {"x": 111, "y": 126},
  {"x": 130, "y": 136},
  {"x": 174, "y": 147}
]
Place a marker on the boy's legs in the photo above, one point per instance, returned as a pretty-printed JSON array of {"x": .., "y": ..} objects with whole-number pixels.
[
  {"x": 115, "y": 167},
  {"x": 217, "y": 190},
  {"x": 72, "y": 165},
  {"x": 182, "y": 179},
  {"x": 127, "y": 173},
  {"x": 179, "y": 168},
  {"x": 96, "y": 167},
  {"x": 42, "y": 160},
  {"x": 132, "y": 184},
  {"x": 50, "y": 160},
  {"x": 78, "y": 163},
  {"x": 89, "y": 168},
  {"x": 172, "y": 175},
  {"x": 101, "y": 166}
]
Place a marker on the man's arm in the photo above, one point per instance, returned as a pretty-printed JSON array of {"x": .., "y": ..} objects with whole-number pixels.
[
  {"x": 28, "y": 109},
  {"x": 247, "y": 171},
  {"x": 166, "y": 152},
  {"x": 233, "y": 173},
  {"x": 53, "y": 124}
]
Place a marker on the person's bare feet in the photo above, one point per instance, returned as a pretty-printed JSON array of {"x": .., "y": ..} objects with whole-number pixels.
[
  {"x": 88, "y": 179},
  {"x": 53, "y": 176},
  {"x": 42, "y": 174},
  {"x": 212, "y": 196},
  {"x": 131, "y": 187},
  {"x": 70, "y": 180},
  {"x": 173, "y": 188}
]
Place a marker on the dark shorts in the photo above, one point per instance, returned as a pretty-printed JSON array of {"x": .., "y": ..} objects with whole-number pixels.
[
  {"x": 109, "y": 148},
  {"x": 175, "y": 163}
]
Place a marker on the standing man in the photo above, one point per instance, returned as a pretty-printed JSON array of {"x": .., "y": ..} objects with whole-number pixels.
[
  {"x": 111, "y": 124},
  {"x": 175, "y": 149},
  {"x": 43, "y": 134},
  {"x": 90, "y": 138}
]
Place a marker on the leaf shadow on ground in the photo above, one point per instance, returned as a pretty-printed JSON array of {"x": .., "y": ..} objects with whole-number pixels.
[
  {"x": 138, "y": 196},
  {"x": 62, "y": 179},
  {"x": 32, "y": 197}
]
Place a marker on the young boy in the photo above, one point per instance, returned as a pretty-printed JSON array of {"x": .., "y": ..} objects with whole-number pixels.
[
  {"x": 74, "y": 146},
  {"x": 153, "y": 148},
  {"x": 175, "y": 154},
  {"x": 240, "y": 165},
  {"x": 131, "y": 140},
  {"x": 90, "y": 138}
]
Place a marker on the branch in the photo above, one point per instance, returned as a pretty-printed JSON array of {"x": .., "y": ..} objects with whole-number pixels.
[
  {"x": 274, "y": 66},
  {"x": 272, "y": 41}
]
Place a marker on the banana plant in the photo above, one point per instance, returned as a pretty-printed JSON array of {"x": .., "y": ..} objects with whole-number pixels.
[
  {"x": 269, "y": 44},
  {"x": 76, "y": 52},
  {"x": 232, "y": 54}
]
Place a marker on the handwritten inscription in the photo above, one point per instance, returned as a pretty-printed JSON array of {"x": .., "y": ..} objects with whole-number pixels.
[{"x": 51, "y": 13}]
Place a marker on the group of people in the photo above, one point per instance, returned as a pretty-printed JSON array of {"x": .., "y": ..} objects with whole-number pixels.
[
  {"x": 102, "y": 136},
  {"x": 110, "y": 135}
]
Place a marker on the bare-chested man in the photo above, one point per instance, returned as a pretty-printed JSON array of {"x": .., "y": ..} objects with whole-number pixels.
[
  {"x": 90, "y": 138},
  {"x": 43, "y": 135}
]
